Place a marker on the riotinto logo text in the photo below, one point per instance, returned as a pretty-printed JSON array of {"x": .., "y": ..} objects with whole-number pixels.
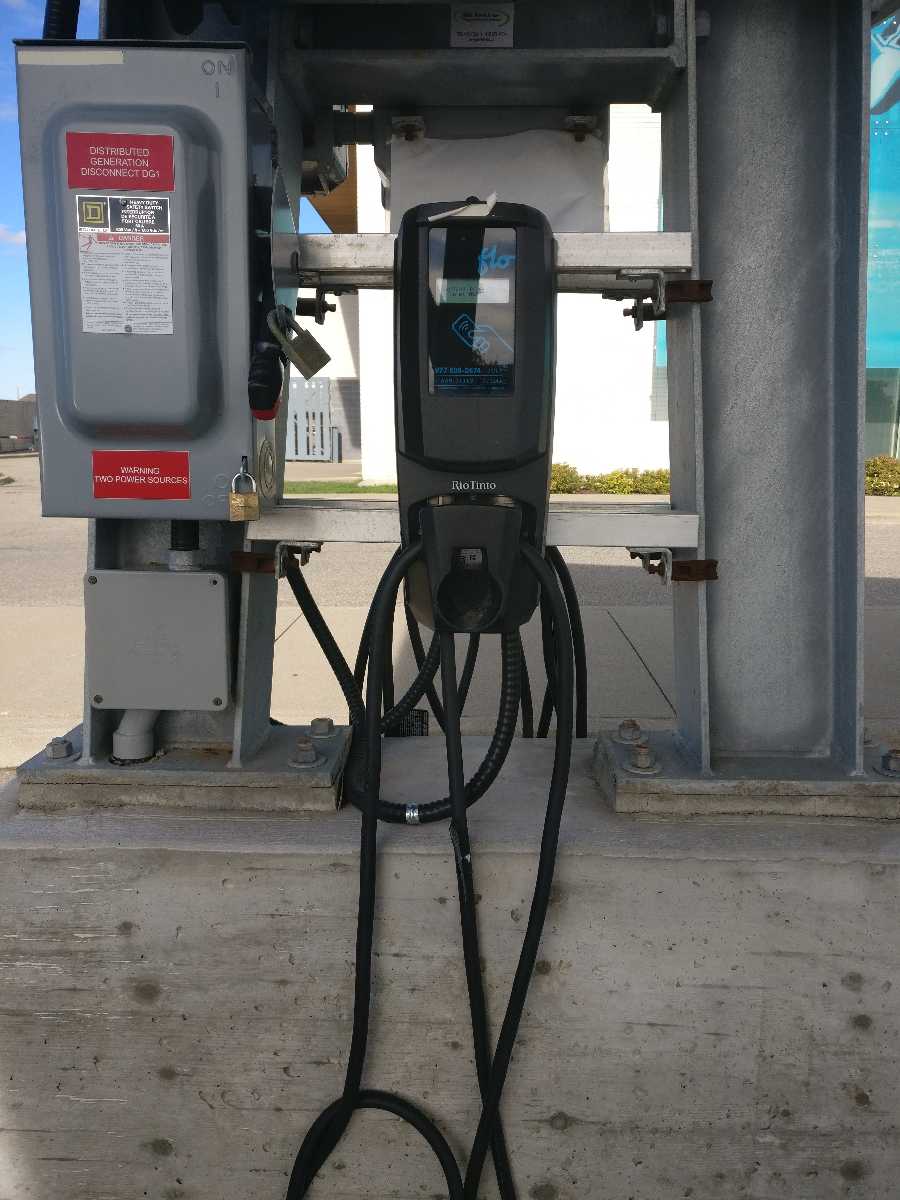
[{"x": 472, "y": 485}]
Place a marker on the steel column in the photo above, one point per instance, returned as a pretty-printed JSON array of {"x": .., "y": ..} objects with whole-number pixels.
[{"x": 782, "y": 106}]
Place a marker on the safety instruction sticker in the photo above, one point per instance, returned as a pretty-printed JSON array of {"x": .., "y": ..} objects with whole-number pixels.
[
  {"x": 141, "y": 474},
  {"x": 125, "y": 263},
  {"x": 482, "y": 26}
]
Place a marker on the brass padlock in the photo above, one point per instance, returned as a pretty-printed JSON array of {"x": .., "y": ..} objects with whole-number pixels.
[{"x": 243, "y": 505}]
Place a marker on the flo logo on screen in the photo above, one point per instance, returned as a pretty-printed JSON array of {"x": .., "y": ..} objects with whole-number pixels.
[{"x": 490, "y": 260}]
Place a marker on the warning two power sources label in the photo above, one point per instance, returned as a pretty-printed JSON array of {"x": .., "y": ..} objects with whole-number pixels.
[
  {"x": 125, "y": 264},
  {"x": 141, "y": 474}
]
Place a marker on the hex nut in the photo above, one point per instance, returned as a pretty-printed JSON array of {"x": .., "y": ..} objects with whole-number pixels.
[
  {"x": 642, "y": 757},
  {"x": 59, "y": 747},
  {"x": 321, "y": 727},
  {"x": 304, "y": 753},
  {"x": 629, "y": 731}
]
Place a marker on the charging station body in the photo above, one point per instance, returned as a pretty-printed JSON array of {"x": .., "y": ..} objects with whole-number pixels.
[{"x": 474, "y": 382}]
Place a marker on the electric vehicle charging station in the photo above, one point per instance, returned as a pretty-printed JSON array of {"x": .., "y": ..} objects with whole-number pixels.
[{"x": 163, "y": 166}]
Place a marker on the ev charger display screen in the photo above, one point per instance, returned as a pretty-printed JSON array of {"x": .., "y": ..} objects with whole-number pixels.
[{"x": 471, "y": 310}]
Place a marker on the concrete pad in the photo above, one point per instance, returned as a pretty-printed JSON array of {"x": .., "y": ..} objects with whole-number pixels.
[
  {"x": 42, "y": 673},
  {"x": 302, "y": 681},
  {"x": 882, "y": 663},
  {"x": 883, "y": 508},
  {"x": 714, "y": 1012},
  {"x": 649, "y": 631},
  {"x": 619, "y": 683}
]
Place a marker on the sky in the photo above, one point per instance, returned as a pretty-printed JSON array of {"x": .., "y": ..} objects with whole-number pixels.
[
  {"x": 24, "y": 18},
  {"x": 18, "y": 19}
]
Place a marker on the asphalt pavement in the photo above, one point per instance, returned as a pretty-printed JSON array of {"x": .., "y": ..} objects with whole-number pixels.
[{"x": 626, "y": 612}]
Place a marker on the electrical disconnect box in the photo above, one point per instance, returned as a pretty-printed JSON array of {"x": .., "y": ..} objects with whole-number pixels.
[{"x": 137, "y": 180}]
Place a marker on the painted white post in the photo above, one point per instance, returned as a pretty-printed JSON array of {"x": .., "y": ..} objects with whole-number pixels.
[{"x": 376, "y": 339}]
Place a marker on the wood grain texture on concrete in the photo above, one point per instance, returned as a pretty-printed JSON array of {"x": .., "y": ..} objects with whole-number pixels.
[{"x": 715, "y": 1013}]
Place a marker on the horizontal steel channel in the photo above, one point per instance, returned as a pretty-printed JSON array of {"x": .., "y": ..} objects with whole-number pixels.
[
  {"x": 570, "y": 524},
  {"x": 586, "y": 262}
]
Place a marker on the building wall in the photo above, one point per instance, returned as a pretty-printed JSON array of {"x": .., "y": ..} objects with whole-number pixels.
[
  {"x": 17, "y": 418},
  {"x": 606, "y": 415},
  {"x": 612, "y": 396}
]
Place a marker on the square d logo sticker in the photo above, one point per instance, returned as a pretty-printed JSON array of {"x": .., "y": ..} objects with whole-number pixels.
[{"x": 93, "y": 212}]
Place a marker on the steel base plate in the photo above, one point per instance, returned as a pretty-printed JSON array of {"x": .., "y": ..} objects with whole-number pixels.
[
  {"x": 795, "y": 787},
  {"x": 195, "y": 777}
]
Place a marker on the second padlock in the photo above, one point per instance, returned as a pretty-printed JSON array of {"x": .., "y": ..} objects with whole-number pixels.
[{"x": 243, "y": 498}]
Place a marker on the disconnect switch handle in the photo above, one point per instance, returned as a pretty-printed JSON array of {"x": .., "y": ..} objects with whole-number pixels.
[{"x": 265, "y": 381}]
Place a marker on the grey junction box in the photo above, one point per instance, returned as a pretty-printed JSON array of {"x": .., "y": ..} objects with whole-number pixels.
[{"x": 157, "y": 639}]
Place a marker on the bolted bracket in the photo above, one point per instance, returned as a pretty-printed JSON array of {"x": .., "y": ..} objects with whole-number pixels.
[
  {"x": 304, "y": 549},
  {"x": 658, "y": 560},
  {"x": 317, "y": 308},
  {"x": 671, "y": 291},
  {"x": 410, "y": 128}
]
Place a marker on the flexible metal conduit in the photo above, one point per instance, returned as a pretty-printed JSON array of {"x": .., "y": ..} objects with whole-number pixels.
[{"x": 61, "y": 20}]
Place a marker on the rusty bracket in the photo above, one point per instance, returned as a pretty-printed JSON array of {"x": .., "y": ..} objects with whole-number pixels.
[
  {"x": 676, "y": 291},
  {"x": 252, "y": 562},
  {"x": 658, "y": 560},
  {"x": 695, "y": 570}
]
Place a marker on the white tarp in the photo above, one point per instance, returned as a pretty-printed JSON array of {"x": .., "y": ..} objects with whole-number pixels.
[{"x": 545, "y": 168}]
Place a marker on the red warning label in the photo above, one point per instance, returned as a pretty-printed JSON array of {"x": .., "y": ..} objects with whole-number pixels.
[
  {"x": 124, "y": 162},
  {"x": 141, "y": 474}
]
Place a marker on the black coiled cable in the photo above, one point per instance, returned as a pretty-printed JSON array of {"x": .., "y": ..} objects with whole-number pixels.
[
  {"x": 504, "y": 729},
  {"x": 561, "y": 567},
  {"x": 558, "y": 563},
  {"x": 330, "y": 1126}
]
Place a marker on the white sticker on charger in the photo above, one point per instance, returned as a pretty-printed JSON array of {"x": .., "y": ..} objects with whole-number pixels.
[
  {"x": 125, "y": 264},
  {"x": 480, "y": 26},
  {"x": 474, "y": 291}
]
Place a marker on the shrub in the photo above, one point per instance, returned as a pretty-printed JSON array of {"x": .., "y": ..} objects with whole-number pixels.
[
  {"x": 625, "y": 482},
  {"x": 655, "y": 483},
  {"x": 882, "y": 479},
  {"x": 883, "y": 476},
  {"x": 564, "y": 478}
]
